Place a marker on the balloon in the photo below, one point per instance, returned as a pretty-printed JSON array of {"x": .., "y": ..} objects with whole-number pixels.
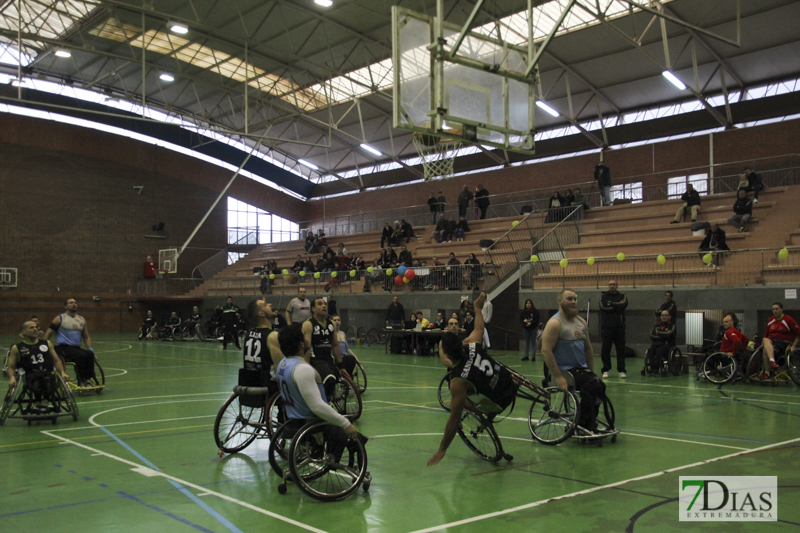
[
  {"x": 661, "y": 260},
  {"x": 272, "y": 276},
  {"x": 334, "y": 274},
  {"x": 316, "y": 275},
  {"x": 370, "y": 270},
  {"x": 352, "y": 273},
  {"x": 410, "y": 274},
  {"x": 388, "y": 271},
  {"x": 707, "y": 259},
  {"x": 534, "y": 258},
  {"x": 590, "y": 261},
  {"x": 515, "y": 224},
  {"x": 398, "y": 280},
  {"x": 284, "y": 272},
  {"x": 302, "y": 273},
  {"x": 620, "y": 257},
  {"x": 401, "y": 270},
  {"x": 406, "y": 280},
  {"x": 783, "y": 254},
  {"x": 563, "y": 263}
]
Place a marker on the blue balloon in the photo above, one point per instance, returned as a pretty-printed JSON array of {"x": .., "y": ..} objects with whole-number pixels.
[{"x": 402, "y": 270}]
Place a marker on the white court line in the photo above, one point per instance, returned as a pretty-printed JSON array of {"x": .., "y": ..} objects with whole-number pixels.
[
  {"x": 406, "y": 435},
  {"x": 129, "y": 346},
  {"x": 157, "y": 398},
  {"x": 116, "y": 375},
  {"x": 142, "y": 422},
  {"x": 92, "y": 422},
  {"x": 682, "y": 440},
  {"x": 141, "y": 469},
  {"x": 595, "y": 489}
]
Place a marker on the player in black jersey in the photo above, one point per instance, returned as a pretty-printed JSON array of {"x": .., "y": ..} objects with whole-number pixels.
[
  {"x": 148, "y": 325},
  {"x": 473, "y": 373},
  {"x": 194, "y": 321},
  {"x": 261, "y": 344},
  {"x": 326, "y": 357},
  {"x": 32, "y": 355}
]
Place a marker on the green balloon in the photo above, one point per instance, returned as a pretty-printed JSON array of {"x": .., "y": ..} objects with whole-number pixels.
[
  {"x": 661, "y": 260},
  {"x": 352, "y": 273},
  {"x": 388, "y": 271},
  {"x": 316, "y": 275},
  {"x": 284, "y": 272},
  {"x": 590, "y": 261},
  {"x": 302, "y": 273},
  {"x": 370, "y": 270},
  {"x": 534, "y": 258},
  {"x": 563, "y": 263},
  {"x": 334, "y": 274},
  {"x": 620, "y": 257},
  {"x": 707, "y": 258},
  {"x": 272, "y": 276},
  {"x": 783, "y": 254}
]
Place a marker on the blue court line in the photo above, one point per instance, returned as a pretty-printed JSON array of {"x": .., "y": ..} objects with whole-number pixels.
[
  {"x": 203, "y": 505},
  {"x": 164, "y": 512},
  {"x": 53, "y": 508}
]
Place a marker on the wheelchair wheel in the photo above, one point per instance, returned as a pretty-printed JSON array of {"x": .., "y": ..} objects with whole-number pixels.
[
  {"x": 479, "y": 435},
  {"x": 279, "y": 452},
  {"x": 324, "y": 468},
  {"x": 141, "y": 334},
  {"x": 719, "y": 368},
  {"x": 350, "y": 333},
  {"x": 606, "y": 416},
  {"x": 65, "y": 400},
  {"x": 233, "y": 427},
  {"x": 382, "y": 336},
  {"x": 444, "y": 392},
  {"x": 346, "y": 399},
  {"x": 553, "y": 421},
  {"x": 9, "y": 400},
  {"x": 793, "y": 364},
  {"x": 755, "y": 366},
  {"x": 359, "y": 378},
  {"x": 372, "y": 336},
  {"x": 675, "y": 361},
  {"x": 276, "y": 414},
  {"x": 361, "y": 333}
]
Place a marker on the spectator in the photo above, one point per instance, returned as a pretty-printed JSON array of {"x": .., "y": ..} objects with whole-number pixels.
[
  {"x": 440, "y": 323},
  {"x": 569, "y": 198},
  {"x": 602, "y": 174},
  {"x": 440, "y": 232},
  {"x": 754, "y": 183},
  {"x": 433, "y": 204},
  {"x": 554, "y": 208},
  {"x": 580, "y": 199},
  {"x": 322, "y": 264},
  {"x": 358, "y": 262},
  {"x": 408, "y": 230},
  {"x": 383, "y": 259},
  {"x": 668, "y": 305},
  {"x": 742, "y": 210},
  {"x": 463, "y": 309},
  {"x": 311, "y": 240},
  {"x": 462, "y": 226},
  {"x": 321, "y": 239},
  {"x": 612, "y": 327},
  {"x": 691, "y": 201},
  {"x": 743, "y": 183},
  {"x": 341, "y": 250},
  {"x": 422, "y": 321},
  {"x": 437, "y": 274},
  {"x": 372, "y": 277},
  {"x": 451, "y": 228},
  {"x": 463, "y": 201},
  {"x": 529, "y": 318},
  {"x": 298, "y": 264},
  {"x": 392, "y": 256},
  {"x": 386, "y": 236},
  {"x": 299, "y": 308},
  {"x": 150, "y": 267},
  {"x": 469, "y": 322},
  {"x": 713, "y": 242},
  {"x": 397, "y": 234},
  {"x": 442, "y": 202},
  {"x": 474, "y": 271},
  {"x": 453, "y": 273},
  {"x": 395, "y": 316},
  {"x": 405, "y": 257},
  {"x": 482, "y": 200}
]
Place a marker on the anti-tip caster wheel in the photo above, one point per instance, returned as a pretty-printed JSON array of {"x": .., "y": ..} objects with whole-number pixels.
[
  {"x": 613, "y": 439},
  {"x": 282, "y": 488},
  {"x": 508, "y": 457},
  {"x": 220, "y": 453}
]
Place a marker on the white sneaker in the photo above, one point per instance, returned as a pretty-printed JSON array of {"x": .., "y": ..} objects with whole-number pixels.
[
  {"x": 755, "y": 200},
  {"x": 623, "y": 375},
  {"x": 605, "y": 375}
]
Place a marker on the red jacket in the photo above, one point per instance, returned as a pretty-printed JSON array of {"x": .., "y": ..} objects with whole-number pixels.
[
  {"x": 734, "y": 341},
  {"x": 785, "y": 329}
]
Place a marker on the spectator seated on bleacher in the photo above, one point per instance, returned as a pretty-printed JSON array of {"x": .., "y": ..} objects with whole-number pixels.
[
  {"x": 462, "y": 226},
  {"x": 441, "y": 232},
  {"x": 405, "y": 257},
  {"x": 299, "y": 264},
  {"x": 311, "y": 243},
  {"x": 742, "y": 210},
  {"x": 713, "y": 242},
  {"x": 341, "y": 250},
  {"x": 386, "y": 235},
  {"x": 408, "y": 230},
  {"x": 691, "y": 203}
]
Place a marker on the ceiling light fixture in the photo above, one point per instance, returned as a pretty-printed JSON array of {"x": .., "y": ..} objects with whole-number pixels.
[
  {"x": 166, "y": 77},
  {"x": 324, "y": 3},
  {"x": 370, "y": 149},
  {"x": 675, "y": 81},
  {"x": 63, "y": 53},
  {"x": 312, "y": 166},
  {"x": 546, "y": 107},
  {"x": 177, "y": 27}
]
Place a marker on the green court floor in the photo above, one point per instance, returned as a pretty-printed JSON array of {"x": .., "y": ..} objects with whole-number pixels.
[{"x": 142, "y": 456}]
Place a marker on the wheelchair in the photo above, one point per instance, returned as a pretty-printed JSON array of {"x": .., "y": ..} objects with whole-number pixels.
[
  {"x": 37, "y": 396},
  {"x": 191, "y": 331},
  {"x": 212, "y": 331},
  {"x": 144, "y": 333},
  {"x": 788, "y": 369},
  {"x": 318, "y": 459},
  {"x": 242, "y": 418},
  {"x": 673, "y": 364},
  {"x": 98, "y": 383},
  {"x": 357, "y": 374}
]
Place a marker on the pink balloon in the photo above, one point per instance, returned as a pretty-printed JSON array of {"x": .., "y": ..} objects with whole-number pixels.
[
  {"x": 398, "y": 280},
  {"x": 410, "y": 274}
]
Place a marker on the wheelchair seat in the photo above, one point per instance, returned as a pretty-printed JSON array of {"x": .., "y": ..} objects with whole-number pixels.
[{"x": 38, "y": 395}]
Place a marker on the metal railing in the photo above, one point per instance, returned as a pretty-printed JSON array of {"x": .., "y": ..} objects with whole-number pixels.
[
  {"x": 166, "y": 286},
  {"x": 734, "y": 267}
]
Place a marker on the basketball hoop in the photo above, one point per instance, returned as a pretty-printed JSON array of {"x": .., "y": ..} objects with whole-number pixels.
[
  {"x": 438, "y": 155},
  {"x": 168, "y": 260}
]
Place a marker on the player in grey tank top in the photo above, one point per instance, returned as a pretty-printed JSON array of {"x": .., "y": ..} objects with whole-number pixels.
[{"x": 565, "y": 343}]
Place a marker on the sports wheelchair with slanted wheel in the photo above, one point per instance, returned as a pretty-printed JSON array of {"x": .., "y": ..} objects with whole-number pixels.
[
  {"x": 720, "y": 368},
  {"x": 671, "y": 364},
  {"x": 94, "y": 384},
  {"x": 788, "y": 368},
  {"x": 38, "y": 395},
  {"x": 319, "y": 459},
  {"x": 242, "y": 418}
]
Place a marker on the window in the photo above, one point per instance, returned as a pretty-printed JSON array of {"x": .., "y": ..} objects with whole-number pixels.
[
  {"x": 677, "y": 186},
  {"x": 629, "y": 191},
  {"x": 248, "y": 224}
]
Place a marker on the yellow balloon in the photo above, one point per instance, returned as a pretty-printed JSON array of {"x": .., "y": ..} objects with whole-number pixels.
[
  {"x": 590, "y": 261},
  {"x": 707, "y": 258},
  {"x": 406, "y": 280},
  {"x": 352, "y": 273},
  {"x": 620, "y": 257},
  {"x": 370, "y": 270},
  {"x": 388, "y": 271},
  {"x": 284, "y": 272},
  {"x": 272, "y": 276},
  {"x": 534, "y": 258},
  {"x": 661, "y": 260},
  {"x": 316, "y": 275},
  {"x": 783, "y": 254},
  {"x": 302, "y": 273},
  {"x": 563, "y": 263},
  {"x": 515, "y": 224},
  {"x": 334, "y": 274}
]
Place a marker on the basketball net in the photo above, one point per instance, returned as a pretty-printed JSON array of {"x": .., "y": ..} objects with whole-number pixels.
[{"x": 438, "y": 155}]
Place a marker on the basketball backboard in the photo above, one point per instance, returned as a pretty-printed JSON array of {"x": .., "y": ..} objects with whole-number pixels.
[
  {"x": 479, "y": 95},
  {"x": 168, "y": 260},
  {"x": 8, "y": 278}
]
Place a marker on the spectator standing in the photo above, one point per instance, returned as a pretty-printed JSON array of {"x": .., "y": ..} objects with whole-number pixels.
[
  {"x": 442, "y": 203},
  {"x": 691, "y": 201},
  {"x": 386, "y": 235},
  {"x": 554, "y": 208},
  {"x": 299, "y": 308},
  {"x": 742, "y": 210},
  {"x": 395, "y": 316},
  {"x": 453, "y": 273},
  {"x": 612, "y": 327},
  {"x": 433, "y": 204},
  {"x": 482, "y": 200},
  {"x": 529, "y": 318},
  {"x": 602, "y": 174},
  {"x": 474, "y": 271},
  {"x": 149, "y": 267},
  {"x": 463, "y": 201},
  {"x": 754, "y": 183},
  {"x": 669, "y": 306}
]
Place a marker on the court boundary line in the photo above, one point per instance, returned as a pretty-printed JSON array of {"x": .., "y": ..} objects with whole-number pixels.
[
  {"x": 596, "y": 489},
  {"x": 149, "y": 472}
]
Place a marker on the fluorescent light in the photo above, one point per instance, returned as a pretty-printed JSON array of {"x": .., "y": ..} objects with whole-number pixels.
[
  {"x": 63, "y": 53},
  {"x": 324, "y": 3},
  {"x": 369, "y": 148},
  {"x": 312, "y": 166},
  {"x": 166, "y": 77},
  {"x": 675, "y": 81},
  {"x": 17, "y": 83},
  {"x": 177, "y": 27},
  {"x": 542, "y": 105}
]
